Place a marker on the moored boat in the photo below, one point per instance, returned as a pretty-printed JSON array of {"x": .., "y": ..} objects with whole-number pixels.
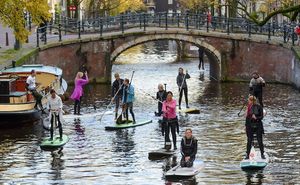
[{"x": 17, "y": 105}]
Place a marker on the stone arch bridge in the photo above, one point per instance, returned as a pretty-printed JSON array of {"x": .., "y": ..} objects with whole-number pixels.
[{"x": 232, "y": 57}]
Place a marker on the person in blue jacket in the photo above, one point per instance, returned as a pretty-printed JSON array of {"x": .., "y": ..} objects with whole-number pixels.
[{"x": 127, "y": 99}]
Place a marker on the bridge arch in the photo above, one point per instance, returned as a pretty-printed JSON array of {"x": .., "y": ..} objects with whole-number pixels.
[{"x": 213, "y": 54}]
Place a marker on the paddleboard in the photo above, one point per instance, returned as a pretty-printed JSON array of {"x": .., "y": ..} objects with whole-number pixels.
[
  {"x": 189, "y": 111},
  {"x": 54, "y": 144},
  {"x": 87, "y": 115},
  {"x": 179, "y": 171},
  {"x": 255, "y": 161},
  {"x": 160, "y": 153},
  {"x": 127, "y": 125}
]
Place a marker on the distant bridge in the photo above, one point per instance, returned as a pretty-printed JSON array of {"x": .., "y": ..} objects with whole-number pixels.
[{"x": 235, "y": 47}]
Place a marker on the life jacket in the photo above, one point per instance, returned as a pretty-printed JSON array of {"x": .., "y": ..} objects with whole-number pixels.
[
  {"x": 255, "y": 110},
  {"x": 188, "y": 146}
]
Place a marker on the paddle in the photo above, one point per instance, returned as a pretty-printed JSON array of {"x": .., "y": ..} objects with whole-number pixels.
[
  {"x": 165, "y": 87},
  {"x": 154, "y": 98},
  {"x": 242, "y": 108},
  {"x": 119, "y": 119},
  {"x": 111, "y": 101}
]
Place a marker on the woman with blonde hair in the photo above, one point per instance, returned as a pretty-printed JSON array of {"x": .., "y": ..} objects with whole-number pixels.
[
  {"x": 254, "y": 125},
  {"x": 78, "y": 90}
]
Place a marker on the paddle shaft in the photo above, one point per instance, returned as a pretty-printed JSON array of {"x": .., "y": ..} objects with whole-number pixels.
[
  {"x": 241, "y": 109},
  {"x": 110, "y": 102},
  {"x": 180, "y": 88}
]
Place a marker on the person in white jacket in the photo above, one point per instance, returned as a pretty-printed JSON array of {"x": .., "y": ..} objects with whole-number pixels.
[{"x": 54, "y": 106}]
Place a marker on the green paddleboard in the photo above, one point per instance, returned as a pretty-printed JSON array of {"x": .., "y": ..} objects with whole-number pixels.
[
  {"x": 128, "y": 124},
  {"x": 55, "y": 143}
]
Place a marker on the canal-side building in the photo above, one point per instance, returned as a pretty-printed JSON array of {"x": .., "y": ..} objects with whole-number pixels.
[{"x": 170, "y": 6}]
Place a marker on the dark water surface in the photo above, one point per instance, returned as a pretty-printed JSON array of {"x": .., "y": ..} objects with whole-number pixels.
[{"x": 96, "y": 156}]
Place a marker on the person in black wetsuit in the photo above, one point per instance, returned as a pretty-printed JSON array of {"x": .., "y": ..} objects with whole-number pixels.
[
  {"x": 181, "y": 83},
  {"x": 254, "y": 116},
  {"x": 161, "y": 95},
  {"x": 117, "y": 92},
  {"x": 201, "y": 56},
  {"x": 188, "y": 149},
  {"x": 256, "y": 87}
]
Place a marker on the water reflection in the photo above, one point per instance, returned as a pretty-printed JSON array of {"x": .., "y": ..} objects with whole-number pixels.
[
  {"x": 96, "y": 156},
  {"x": 57, "y": 165}
]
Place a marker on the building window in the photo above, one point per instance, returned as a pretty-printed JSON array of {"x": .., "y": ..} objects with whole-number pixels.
[{"x": 170, "y": 1}]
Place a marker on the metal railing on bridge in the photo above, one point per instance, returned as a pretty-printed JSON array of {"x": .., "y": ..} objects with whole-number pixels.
[{"x": 64, "y": 28}]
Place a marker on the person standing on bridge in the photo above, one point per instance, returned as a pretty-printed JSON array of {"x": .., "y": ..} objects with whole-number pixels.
[
  {"x": 78, "y": 90},
  {"x": 117, "y": 92},
  {"x": 181, "y": 83},
  {"x": 201, "y": 56},
  {"x": 256, "y": 87}
]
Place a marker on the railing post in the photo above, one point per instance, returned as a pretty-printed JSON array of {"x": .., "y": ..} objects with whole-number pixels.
[
  {"x": 187, "y": 21},
  {"x": 144, "y": 19},
  {"x": 228, "y": 29},
  {"x": 178, "y": 20},
  {"x": 166, "y": 20},
  {"x": 59, "y": 32},
  {"x": 269, "y": 31},
  {"x": 101, "y": 26},
  {"x": 284, "y": 33},
  {"x": 30, "y": 21},
  {"x": 159, "y": 19},
  {"x": 65, "y": 25},
  {"x": 273, "y": 28},
  {"x": 122, "y": 23},
  {"x": 37, "y": 38},
  {"x": 249, "y": 29},
  {"x": 79, "y": 34},
  {"x": 293, "y": 34},
  {"x": 51, "y": 23},
  {"x": 207, "y": 23},
  {"x": 45, "y": 35},
  {"x": 140, "y": 17}
]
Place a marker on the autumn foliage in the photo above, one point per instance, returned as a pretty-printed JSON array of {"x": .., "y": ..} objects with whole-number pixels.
[{"x": 12, "y": 15}]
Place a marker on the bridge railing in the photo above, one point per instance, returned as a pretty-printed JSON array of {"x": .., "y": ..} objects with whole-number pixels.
[{"x": 66, "y": 28}]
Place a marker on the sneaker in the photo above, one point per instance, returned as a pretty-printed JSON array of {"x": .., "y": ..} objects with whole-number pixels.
[
  {"x": 179, "y": 107},
  {"x": 187, "y": 107},
  {"x": 79, "y": 114},
  {"x": 60, "y": 139},
  {"x": 50, "y": 139},
  {"x": 263, "y": 156},
  {"x": 247, "y": 157}
]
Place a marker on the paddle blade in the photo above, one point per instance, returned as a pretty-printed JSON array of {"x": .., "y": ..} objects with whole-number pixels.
[{"x": 119, "y": 119}]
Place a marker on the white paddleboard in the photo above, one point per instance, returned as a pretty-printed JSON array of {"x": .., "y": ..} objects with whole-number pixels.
[
  {"x": 179, "y": 171},
  {"x": 255, "y": 161}
]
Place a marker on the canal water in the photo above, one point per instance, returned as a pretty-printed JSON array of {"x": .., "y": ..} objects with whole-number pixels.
[{"x": 96, "y": 156}]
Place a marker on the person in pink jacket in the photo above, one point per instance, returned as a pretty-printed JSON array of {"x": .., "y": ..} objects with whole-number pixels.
[
  {"x": 170, "y": 121},
  {"x": 78, "y": 90}
]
